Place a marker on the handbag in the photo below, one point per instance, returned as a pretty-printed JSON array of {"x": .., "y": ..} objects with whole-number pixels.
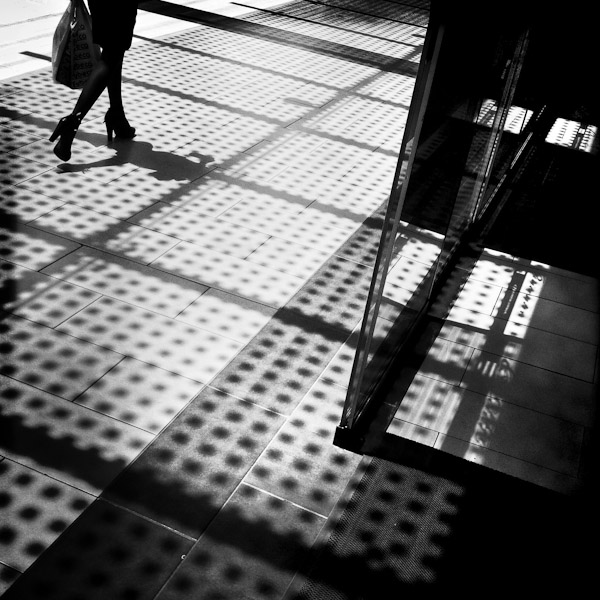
[{"x": 74, "y": 53}]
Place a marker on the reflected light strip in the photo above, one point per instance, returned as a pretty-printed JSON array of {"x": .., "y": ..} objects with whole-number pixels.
[
  {"x": 572, "y": 134},
  {"x": 516, "y": 119}
]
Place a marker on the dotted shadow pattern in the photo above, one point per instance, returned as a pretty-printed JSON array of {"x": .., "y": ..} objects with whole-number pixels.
[
  {"x": 155, "y": 514},
  {"x": 445, "y": 525}
]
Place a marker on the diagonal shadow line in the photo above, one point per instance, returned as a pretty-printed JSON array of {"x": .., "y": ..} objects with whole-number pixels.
[
  {"x": 422, "y": 8},
  {"x": 332, "y": 9},
  {"x": 253, "y": 67},
  {"x": 36, "y": 55},
  {"x": 263, "y": 32}
]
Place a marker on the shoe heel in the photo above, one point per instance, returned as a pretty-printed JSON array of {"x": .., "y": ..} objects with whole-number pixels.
[
  {"x": 57, "y": 130},
  {"x": 118, "y": 125},
  {"x": 66, "y": 130}
]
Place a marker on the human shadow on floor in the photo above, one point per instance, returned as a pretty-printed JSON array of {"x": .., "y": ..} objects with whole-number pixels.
[{"x": 165, "y": 165}]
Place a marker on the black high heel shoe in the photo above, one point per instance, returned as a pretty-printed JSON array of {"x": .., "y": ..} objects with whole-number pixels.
[
  {"x": 117, "y": 123},
  {"x": 66, "y": 130}
]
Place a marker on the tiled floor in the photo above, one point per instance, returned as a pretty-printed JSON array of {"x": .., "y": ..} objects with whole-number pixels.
[
  {"x": 181, "y": 310},
  {"x": 511, "y": 379},
  {"x": 136, "y": 273}
]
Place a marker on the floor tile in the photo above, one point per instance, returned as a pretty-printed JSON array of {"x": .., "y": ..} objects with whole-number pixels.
[
  {"x": 375, "y": 172},
  {"x": 52, "y": 104},
  {"x": 127, "y": 281},
  {"x": 228, "y": 273},
  {"x": 8, "y": 576},
  {"x": 492, "y": 423},
  {"x": 280, "y": 367},
  {"x": 184, "y": 478},
  {"x": 337, "y": 219},
  {"x": 30, "y": 247},
  {"x": 12, "y": 138},
  {"x": 249, "y": 169},
  {"x": 285, "y": 111},
  {"x": 477, "y": 296},
  {"x": 41, "y": 151},
  {"x": 306, "y": 228},
  {"x": 35, "y": 510},
  {"x": 105, "y": 233},
  {"x": 410, "y": 431},
  {"x": 222, "y": 143},
  {"x": 227, "y": 315},
  {"x": 493, "y": 270},
  {"x": 390, "y": 87},
  {"x": 446, "y": 361},
  {"x": 269, "y": 208},
  {"x": 107, "y": 552},
  {"x": 157, "y": 172},
  {"x": 15, "y": 169},
  {"x": 336, "y": 196},
  {"x": 545, "y": 391},
  {"x": 417, "y": 245},
  {"x": 153, "y": 338},
  {"x": 113, "y": 200},
  {"x": 335, "y": 295},
  {"x": 499, "y": 461},
  {"x": 97, "y": 161},
  {"x": 252, "y": 549},
  {"x": 287, "y": 147},
  {"x": 26, "y": 205},
  {"x": 140, "y": 394},
  {"x": 336, "y": 159},
  {"x": 429, "y": 403},
  {"x": 65, "y": 441},
  {"x": 361, "y": 120},
  {"x": 50, "y": 360},
  {"x": 288, "y": 257},
  {"x": 40, "y": 298},
  {"x": 339, "y": 369},
  {"x": 403, "y": 279},
  {"x": 320, "y": 411},
  {"x": 206, "y": 231},
  {"x": 531, "y": 311},
  {"x": 29, "y": 122},
  {"x": 531, "y": 346},
  {"x": 570, "y": 289},
  {"x": 303, "y": 467},
  {"x": 209, "y": 195}
]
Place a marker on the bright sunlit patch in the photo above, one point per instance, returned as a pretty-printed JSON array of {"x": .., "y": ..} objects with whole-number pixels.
[
  {"x": 516, "y": 119},
  {"x": 519, "y": 305},
  {"x": 572, "y": 134},
  {"x": 488, "y": 419}
]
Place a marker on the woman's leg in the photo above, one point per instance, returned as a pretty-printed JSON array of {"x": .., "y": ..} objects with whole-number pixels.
[
  {"x": 114, "y": 85},
  {"x": 115, "y": 117},
  {"x": 93, "y": 87},
  {"x": 101, "y": 76}
]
